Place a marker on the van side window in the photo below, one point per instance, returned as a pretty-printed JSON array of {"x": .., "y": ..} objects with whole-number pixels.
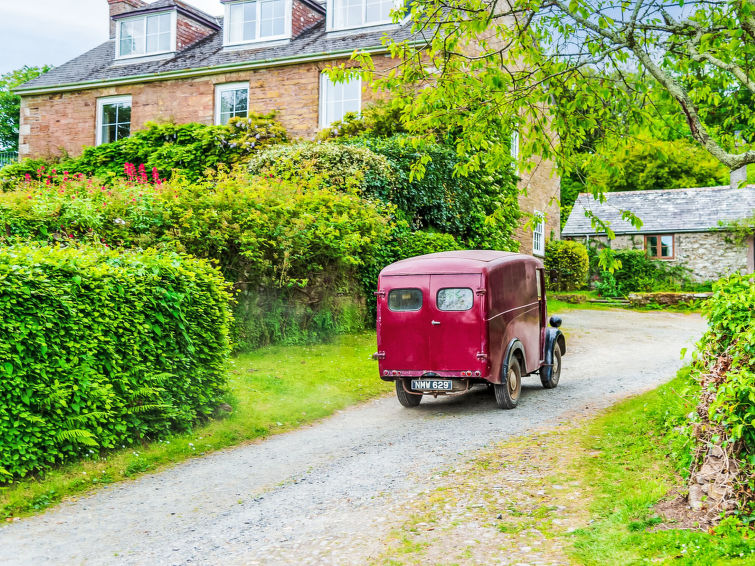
[
  {"x": 405, "y": 300},
  {"x": 455, "y": 299}
]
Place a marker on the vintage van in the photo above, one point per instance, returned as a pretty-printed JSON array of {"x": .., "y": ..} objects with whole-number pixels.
[{"x": 446, "y": 321}]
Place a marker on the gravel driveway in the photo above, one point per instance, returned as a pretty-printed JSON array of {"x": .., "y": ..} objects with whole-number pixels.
[{"x": 328, "y": 493}]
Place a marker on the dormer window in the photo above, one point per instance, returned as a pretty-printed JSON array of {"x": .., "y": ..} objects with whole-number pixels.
[
  {"x": 151, "y": 34},
  {"x": 349, "y": 14},
  {"x": 257, "y": 20}
]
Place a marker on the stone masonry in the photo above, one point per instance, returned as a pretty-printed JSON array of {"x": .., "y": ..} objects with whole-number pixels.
[{"x": 708, "y": 255}]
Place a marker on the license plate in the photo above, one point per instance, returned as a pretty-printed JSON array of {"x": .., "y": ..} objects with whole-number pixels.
[{"x": 432, "y": 384}]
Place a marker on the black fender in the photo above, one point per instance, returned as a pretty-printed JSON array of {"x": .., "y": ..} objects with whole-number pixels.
[
  {"x": 514, "y": 346},
  {"x": 552, "y": 336}
]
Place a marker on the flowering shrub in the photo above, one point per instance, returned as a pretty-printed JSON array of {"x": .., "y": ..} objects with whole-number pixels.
[
  {"x": 100, "y": 349},
  {"x": 189, "y": 149}
]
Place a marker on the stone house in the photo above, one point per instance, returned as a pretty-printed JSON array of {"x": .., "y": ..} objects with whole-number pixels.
[
  {"x": 168, "y": 61},
  {"x": 680, "y": 226}
]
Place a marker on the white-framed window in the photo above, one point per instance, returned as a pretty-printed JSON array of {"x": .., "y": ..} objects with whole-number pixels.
[
  {"x": 349, "y": 14},
  {"x": 151, "y": 34},
  {"x": 538, "y": 234},
  {"x": 113, "y": 118},
  {"x": 231, "y": 100},
  {"x": 515, "y": 146},
  {"x": 338, "y": 99},
  {"x": 249, "y": 21}
]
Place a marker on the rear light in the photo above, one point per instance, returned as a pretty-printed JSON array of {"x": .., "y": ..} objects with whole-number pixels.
[
  {"x": 477, "y": 374},
  {"x": 386, "y": 372},
  {"x": 395, "y": 372}
]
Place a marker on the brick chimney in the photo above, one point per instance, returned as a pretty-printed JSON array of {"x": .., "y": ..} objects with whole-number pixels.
[{"x": 119, "y": 7}]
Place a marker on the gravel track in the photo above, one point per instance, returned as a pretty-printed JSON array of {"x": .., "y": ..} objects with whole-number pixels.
[{"x": 329, "y": 492}]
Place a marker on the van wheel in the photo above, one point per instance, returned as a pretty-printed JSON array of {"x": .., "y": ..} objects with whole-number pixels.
[
  {"x": 406, "y": 399},
  {"x": 507, "y": 393},
  {"x": 550, "y": 378}
]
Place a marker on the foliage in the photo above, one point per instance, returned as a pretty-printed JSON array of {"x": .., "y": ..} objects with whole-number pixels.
[
  {"x": 641, "y": 164},
  {"x": 638, "y": 273},
  {"x": 381, "y": 119},
  {"x": 289, "y": 248},
  {"x": 100, "y": 349},
  {"x": 566, "y": 265},
  {"x": 271, "y": 390},
  {"x": 342, "y": 167},
  {"x": 10, "y": 103},
  {"x": 188, "y": 149}
]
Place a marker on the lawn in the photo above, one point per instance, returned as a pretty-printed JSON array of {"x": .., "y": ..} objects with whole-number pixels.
[
  {"x": 631, "y": 461},
  {"x": 272, "y": 390}
]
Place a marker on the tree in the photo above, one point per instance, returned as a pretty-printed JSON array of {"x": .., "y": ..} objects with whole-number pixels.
[
  {"x": 558, "y": 70},
  {"x": 10, "y": 103}
]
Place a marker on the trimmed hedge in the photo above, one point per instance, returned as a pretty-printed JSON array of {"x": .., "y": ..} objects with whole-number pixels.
[
  {"x": 566, "y": 265},
  {"x": 100, "y": 349}
]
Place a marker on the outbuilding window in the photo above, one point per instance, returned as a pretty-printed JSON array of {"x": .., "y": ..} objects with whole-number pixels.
[
  {"x": 660, "y": 246},
  {"x": 338, "y": 99},
  {"x": 538, "y": 234},
  {"x": 113, "y": 118},
  {"x": 146, "y": 35},
  {"x": 231, "y": 101},
  {"x": 258, "y": 20}
]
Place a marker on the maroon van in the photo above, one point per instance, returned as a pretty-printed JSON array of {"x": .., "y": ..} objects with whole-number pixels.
[{"x": 446, "y": 321}]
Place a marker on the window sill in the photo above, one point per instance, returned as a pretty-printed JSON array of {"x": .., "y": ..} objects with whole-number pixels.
[
  {"x": 260, "y": 44},
  {"x": 132, "y": 60}
]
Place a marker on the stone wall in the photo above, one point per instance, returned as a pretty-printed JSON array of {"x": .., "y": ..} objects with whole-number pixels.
[
  {"x": 709, "y": 255},
  {"x": 540, "y": 191}
]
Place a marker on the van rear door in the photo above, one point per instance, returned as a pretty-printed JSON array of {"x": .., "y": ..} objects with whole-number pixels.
[
  {"x": 457, "y": 325},
  {"x": 404, "y": 315}
]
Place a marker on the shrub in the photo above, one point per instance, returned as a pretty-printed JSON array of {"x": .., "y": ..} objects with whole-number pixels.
[
  {"x": 480, "y": 210},
  {"x": 381, "y": 119},
  {"x": 566, "y": 265},
  {"x": 638, "y": 273},
  {"x": 189, "y": 149},
  {"x": 100, "y": 349}
]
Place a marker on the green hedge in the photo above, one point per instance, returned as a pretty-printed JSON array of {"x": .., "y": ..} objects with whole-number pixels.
[
  {"x": 638, "y": 274},
  {"x": 566, "y": 265},
  {"x": 190, "y": 149},
  {"x": 100, "y": 349}
]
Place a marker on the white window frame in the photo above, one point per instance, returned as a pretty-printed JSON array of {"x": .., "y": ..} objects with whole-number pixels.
[
  {"x": 538, "y": 234},
  {"x": 224, "y": 87},
  {"x": 144, "y": 17},
  {"x": 331, "y": 17},
  {"x": 324, "y": 81},
  {"x": 101, "y": 102},
  {"x": 287, "y": 11}
]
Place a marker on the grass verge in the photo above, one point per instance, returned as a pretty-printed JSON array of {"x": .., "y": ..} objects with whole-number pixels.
[
  {"x": 632, "y": 459},
  {"x": 272, "y": 390}
]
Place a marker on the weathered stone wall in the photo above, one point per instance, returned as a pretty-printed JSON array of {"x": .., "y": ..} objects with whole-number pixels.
[
  {"x": 709, "y": 255},
  {"x": 540, "y": 191}
]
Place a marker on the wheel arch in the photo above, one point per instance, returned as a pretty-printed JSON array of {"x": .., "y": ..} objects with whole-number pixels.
[{"x": 514, "y": 348}]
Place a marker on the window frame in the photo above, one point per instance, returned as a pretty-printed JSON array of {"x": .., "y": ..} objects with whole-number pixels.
[
  {"x": 287, "y": 22},
  {"x": 224, "y": 87},
  {"x": 421, "y": 299},
  {"x": 173, "y": 39},
  {"x": 659, "y": 250},
  {"x": 324, "y": 82},
  {"x": 538, "y": 229},
  {"x": 330, "y": 18},
  {"x": 101, "y": 102},
  {"x": 469, "y": 308}
]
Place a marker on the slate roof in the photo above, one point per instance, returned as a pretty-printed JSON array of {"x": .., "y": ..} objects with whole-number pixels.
[
  {"x": 675, "y": 210},
  {"x": 99, "y": 64}
]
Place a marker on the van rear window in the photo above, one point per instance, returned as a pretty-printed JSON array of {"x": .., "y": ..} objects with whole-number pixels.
[
  {"x": 405, "y": 300},
  {"x": 455, "y": 299}
]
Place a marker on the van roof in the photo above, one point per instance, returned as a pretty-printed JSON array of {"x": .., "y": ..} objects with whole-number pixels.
[{"x": 462, "y": 261}]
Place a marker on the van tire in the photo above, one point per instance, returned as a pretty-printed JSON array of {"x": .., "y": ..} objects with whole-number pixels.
[
  {"x": 550, "y": 378},
  {"x": 507, "y": 394},
  {"x": 406, "y": 399}
]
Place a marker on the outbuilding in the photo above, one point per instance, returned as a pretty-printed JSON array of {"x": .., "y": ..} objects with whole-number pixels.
[{"x": 686, "y": 226}]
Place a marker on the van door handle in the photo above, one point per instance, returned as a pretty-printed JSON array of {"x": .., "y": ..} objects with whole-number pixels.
[{"x": 435, "y": 323}]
